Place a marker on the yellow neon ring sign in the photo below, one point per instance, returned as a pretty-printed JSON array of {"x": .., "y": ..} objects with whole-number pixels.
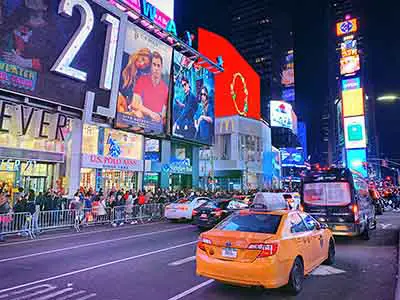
[{"x": 234, "y": 96}]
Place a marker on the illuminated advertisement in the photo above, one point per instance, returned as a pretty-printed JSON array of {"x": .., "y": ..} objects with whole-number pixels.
[
  {"x": 237, "y": 89},
  {"x": 161, "y": 12},
  {"x": 346, "y": 27},
  {"x": 351, "y": 84},
  {"x": 144, "y": 83},
  {"x": 41, "y": 57},
  {"x": 353, "y": 102},
  {"x": 292, "y": 157},
  {"x": 356, "y": 161},
  {"x": 354, "y": 132},
  {"x": 349, "y": 64},
  {"x": 281, "y": 114},
  {"x": 288, "y": 94},
  {"x": 349, "y": 48},
  {"x": 287, "y": 76},
  {"x": 193, "y": 104}
]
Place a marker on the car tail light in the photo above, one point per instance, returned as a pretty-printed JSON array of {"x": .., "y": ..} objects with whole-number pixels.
[
  {"x": 194, "y": 212},
  {"x": 301, "y": 207},
  {"x": 203, "y": 242},
  {"x": 268, "y": 249},
  {"x": 356, "y": 212},
  {"x": 217, "y": 212}
]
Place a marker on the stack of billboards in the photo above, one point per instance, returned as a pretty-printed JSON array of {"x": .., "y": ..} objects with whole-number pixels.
[
  {"x": 352, "y": 98},
  {"x": 57, "y": 51}
]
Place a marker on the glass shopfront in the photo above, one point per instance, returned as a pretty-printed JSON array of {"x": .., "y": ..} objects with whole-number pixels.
[
  {"x": 29, "y": 158},
  {"x": 111, "y": 159}
]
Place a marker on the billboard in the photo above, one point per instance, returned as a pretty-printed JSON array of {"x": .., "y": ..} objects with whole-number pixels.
[
  {"x": 237, "y": 89},
  {"x": 287, "y": 76},
  {"x": 349, "y": 64},
  {"x": 351, "y": 84},
  {"x": 288, "y": 94},
  {"x": 354, "y": 132},
  {"x": 353, "y": 102},
  {"x": 346, "y": 27},
  {"x": 349, "y": 48},
  {"x": 281, "y": 114},
  {"x": 193, "y": 115},
  {"x": 292, "y": 157},
  {"x": 356, "y": 161},
  {"x": 144, "y": 83},
  {"x": 41, "y": 56}
]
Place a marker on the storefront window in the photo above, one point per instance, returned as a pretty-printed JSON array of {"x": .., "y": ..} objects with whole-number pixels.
[
  {"x": 151, "y": 181},
  {"x": 90, "y": 139},
  {"x": 130, "y": 145}
]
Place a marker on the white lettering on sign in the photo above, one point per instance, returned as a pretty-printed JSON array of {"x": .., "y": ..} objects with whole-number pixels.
[
  {"x": 13, "y": 165},
  {"x": 108, "y": 162},
  {"x": 64, "y": 61}
]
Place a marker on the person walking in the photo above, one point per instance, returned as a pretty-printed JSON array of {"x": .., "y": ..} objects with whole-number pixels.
[{"x": 4, "y": 211}]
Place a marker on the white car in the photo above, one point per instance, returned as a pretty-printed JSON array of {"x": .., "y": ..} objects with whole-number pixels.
[{"x": 183, "y": 208}]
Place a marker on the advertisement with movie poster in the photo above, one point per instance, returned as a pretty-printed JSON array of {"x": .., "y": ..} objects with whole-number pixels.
[
  {"x": 144, "y": 83},
  {"x": 33, "y": 36},
  {"x": 193, "y": 104}
]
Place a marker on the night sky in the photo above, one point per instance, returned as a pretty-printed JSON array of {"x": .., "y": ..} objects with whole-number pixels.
[{"x": 311, "y": 30}]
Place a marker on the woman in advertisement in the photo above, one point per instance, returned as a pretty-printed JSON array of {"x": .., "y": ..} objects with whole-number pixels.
[{"x": 204, "y": 121}]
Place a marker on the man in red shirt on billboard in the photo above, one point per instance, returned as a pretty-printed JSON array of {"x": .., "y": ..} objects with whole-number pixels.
[{"x": 151, "y": 93}]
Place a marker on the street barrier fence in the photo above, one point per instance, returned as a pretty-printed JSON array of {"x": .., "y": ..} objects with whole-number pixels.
[{"x": 27, "y": 224}]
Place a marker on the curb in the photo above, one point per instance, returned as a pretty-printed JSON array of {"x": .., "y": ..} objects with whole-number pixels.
[{"x": 397, "y": 291}]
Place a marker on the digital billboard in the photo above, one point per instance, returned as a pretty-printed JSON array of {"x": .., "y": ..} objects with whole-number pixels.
[
  {"x": 281, "y": 114},
  {"x": 237, "y": 89},
  {"x": 351, "y": 84},
  {"x": 193, "y": 115},
  {"x": 356, "y": 161},
  {"x": 292, "y": 157},
  {"x": 41, "y": 57},
  {"x": 144, "y": 83},
  {"x": 349, "y": 64},
  {"x": 354, "y": 132},
  {"x": 288, "y": 94},
  {"x": 346, "y": 27},
  {"x": 349, "y": 48},
  {"x": 353, "y": 102},
  {"x": 287, "y": 76}
]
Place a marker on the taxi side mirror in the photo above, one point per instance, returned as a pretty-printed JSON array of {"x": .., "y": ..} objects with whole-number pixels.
[{"x": 321, "y": 226}]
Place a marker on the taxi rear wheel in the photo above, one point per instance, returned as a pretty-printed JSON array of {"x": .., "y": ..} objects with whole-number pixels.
[{"x": 296, "y": 277}]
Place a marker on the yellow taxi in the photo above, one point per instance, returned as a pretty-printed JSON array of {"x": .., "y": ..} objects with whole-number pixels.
[{"x": 268, "y": 246}]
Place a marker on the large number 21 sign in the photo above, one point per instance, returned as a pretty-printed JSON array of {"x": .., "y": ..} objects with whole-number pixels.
[{"x": 64, "y": 61}]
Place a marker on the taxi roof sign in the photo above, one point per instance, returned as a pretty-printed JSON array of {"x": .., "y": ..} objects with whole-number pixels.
[{"x": 269, "y": 202}]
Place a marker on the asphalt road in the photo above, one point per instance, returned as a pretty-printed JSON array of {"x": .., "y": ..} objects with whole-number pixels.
[{"x": 156, "y": 261}]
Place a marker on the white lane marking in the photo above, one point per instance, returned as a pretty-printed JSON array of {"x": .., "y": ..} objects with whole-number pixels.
[
  {"x": 91, "y": 244},
  {"x": 97, "y": 266},
  {"x": 182, "y": 261},
  {"x": 192, "y": 290},
  {"x": 326, "y": 271},
  {"x": 55, "y": 294},
  {"x": 72, "y": 295},
  {"x": 40, "y": 292},
  {"x": 384, "y": 226},
  {"x": 87, "y": 297},
  {"x": 77, "y": 234}
]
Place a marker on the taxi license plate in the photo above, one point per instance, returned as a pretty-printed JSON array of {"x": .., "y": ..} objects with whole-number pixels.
[
  {"x": 203, "y": 216},
  {"x": 229, "y": 252},
  {"x": 341, "y": 227}
]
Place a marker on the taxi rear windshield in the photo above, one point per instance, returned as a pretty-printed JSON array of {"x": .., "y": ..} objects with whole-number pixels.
[{"x": 259, "y": 223}]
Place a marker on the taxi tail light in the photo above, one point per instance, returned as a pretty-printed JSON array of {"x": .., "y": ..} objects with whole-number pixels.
[
  {"x": 267, "y": 249},
  {"x": 203, "y": 242},
  {"x": 194, "y": 212},
  {"x": 356, "y": 212}
]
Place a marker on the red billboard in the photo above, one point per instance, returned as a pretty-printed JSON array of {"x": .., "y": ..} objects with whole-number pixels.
[{"x": 237, "y": 89}]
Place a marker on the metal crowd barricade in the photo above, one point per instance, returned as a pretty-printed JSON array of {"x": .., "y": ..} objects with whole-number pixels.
[
  {"x": 57, "y": 219},
  {"x": 16, "y": 223},
  {"x": 94, "y": 216}
]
